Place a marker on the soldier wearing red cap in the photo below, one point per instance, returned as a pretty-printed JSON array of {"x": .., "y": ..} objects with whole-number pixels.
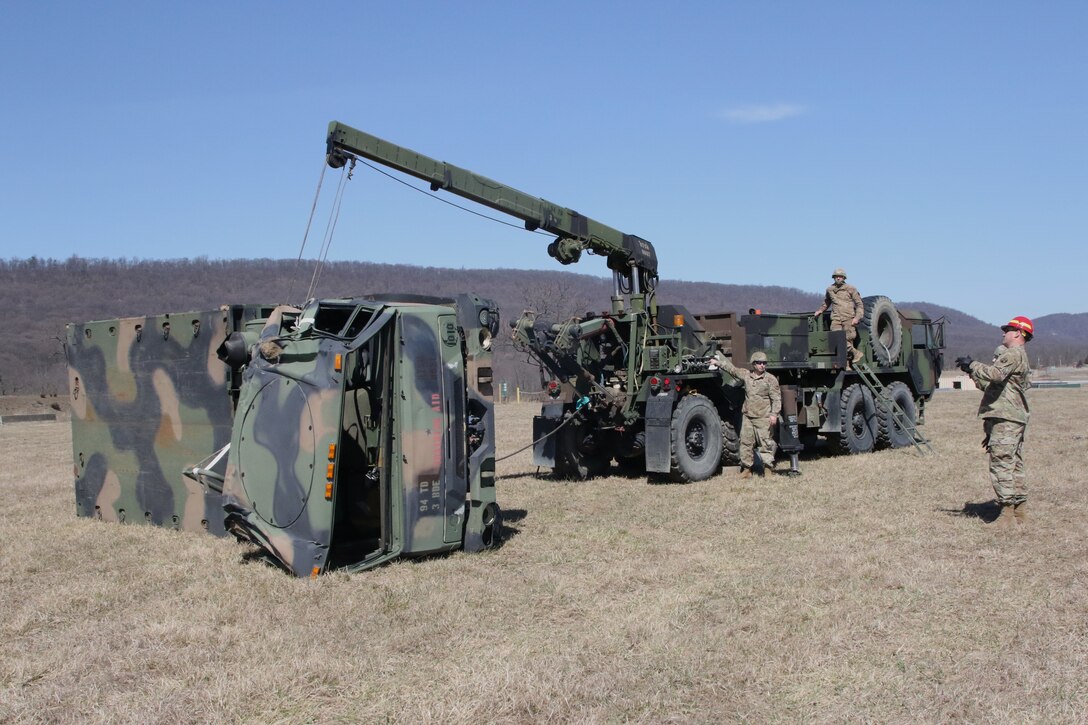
[{"x": 1004, "y": 411}]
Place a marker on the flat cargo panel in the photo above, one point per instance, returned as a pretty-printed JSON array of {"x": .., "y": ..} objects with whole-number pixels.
[{"x": 149, "y": 399}]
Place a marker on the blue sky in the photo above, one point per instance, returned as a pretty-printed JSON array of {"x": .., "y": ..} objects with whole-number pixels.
[{"x": 936, "y": 150}]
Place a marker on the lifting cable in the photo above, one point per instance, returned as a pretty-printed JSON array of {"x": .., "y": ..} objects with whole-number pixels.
[
  {"x": 306, "y": 234},
  {"x": 330, "y": 227},
  {"x": 334, "y": 215},
  {"x": 456, "y": 206}
]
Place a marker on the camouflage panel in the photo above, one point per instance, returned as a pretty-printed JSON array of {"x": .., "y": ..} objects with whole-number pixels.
[
  {"x": 433, "y": 445},
  {"x": 289, "y": 415},
  {"x": 794, "y": 341},
  {"x": 149, "y": 399},
  {"x": 923, "y": 343}
]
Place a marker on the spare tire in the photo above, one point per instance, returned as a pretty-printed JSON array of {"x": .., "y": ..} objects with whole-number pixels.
[{"x": 885, "y": 329}]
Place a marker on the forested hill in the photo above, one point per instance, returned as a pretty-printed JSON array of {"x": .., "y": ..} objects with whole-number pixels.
[{"x": 43, "y": 295}]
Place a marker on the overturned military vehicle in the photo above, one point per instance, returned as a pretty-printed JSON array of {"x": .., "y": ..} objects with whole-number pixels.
[{"x": 340, "y": 435}]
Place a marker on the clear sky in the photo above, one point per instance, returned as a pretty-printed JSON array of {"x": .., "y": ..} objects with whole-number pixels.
[{"x": 936, "y": 150}]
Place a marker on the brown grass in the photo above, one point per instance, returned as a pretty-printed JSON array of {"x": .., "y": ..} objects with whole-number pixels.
[{"x": 866, "y": 590}]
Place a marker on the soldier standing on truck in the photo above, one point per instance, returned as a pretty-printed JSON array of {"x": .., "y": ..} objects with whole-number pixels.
[
  {"x": 1004, "y": 412},
  {"x": 847, "y": 309},
  {"x": 762, "y": 406}
]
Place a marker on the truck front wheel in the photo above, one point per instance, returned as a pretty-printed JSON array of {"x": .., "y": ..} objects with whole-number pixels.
[{"x": 696, "y": 439}]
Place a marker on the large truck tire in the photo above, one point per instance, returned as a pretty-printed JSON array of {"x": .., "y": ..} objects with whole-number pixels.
[
  {"x": 576, "y": 453},
  {"x": 696, "y": 439},
  {"x": 857, "y": 420},
  {"x": 891, "y": 434},
  {"x": 885, "y": 329},
  {"x": 731, "y": 440}
]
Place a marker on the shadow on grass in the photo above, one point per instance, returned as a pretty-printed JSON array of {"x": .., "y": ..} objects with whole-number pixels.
[
  {"x": 986, "y": 511},
  {"x": 506, "y": 531}
]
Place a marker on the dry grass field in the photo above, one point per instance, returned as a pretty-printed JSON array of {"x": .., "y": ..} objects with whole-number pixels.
[{"x": 870, "y": 589}]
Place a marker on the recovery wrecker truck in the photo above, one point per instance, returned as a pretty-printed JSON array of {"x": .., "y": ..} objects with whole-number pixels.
[{"x": 636, "y": 384}]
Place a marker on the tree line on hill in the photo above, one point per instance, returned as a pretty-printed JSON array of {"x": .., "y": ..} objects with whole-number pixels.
[{"x": 43, "y": 295}]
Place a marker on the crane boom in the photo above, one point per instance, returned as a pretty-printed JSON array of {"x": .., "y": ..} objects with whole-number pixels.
[{"x": 628, "y": 255}]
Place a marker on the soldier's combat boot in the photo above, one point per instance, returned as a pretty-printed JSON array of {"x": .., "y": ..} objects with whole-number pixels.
[
  {"x": 1004, "y": 520},
  {"x": 746, "y": 473},
  {"x": 1020, "y": 512}
]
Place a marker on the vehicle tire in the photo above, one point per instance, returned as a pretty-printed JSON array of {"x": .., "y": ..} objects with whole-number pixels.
[
  {"x": 885, "y": 329},
  {"x": 492, "y": 520},
  {"x": 891, "y": 434},
  {"x": 696, "y": 439},
  {"x": 577, "y": 454},
  {"x": 857, "y": 420},
  {"x": 731, "y": 440}
]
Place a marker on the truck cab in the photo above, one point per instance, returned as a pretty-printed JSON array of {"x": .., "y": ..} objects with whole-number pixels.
[{"x": 360, "y": 429}]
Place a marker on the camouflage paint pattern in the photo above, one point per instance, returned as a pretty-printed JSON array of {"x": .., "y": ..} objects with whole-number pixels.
[
  {"x": 407, "y": 468},
  {"x": 1005, "y": 446},
  {"x": 299, "y": 484},
  {"x": 805, "y": 351},
  {"x": 149, "y": 398}
]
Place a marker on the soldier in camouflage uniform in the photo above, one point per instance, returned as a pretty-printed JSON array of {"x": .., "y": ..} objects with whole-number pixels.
[
  {"x": 847, "y": 309},
  {"x": 1004, "y": 410},
  {"x": 998, "y": 351},
  {"x": 762, "y": 405}
]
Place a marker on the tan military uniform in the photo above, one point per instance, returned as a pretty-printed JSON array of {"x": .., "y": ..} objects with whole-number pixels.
[
  {"x": 1004, "y": 410},
  {"x": 845, "y": 304},
  {"x": 762, "y": 399}
]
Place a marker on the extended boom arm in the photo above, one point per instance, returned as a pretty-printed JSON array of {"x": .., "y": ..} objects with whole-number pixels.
[{"x": 631, "y": 258}]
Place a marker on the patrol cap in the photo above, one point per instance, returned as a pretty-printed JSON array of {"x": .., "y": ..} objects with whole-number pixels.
[
  {"x": 1021, "y": 323},
  {"x": 758, "y": 356},
  {"x": 840, "y": 272}
]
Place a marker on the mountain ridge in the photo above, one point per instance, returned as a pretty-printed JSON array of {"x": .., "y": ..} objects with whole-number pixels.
[{"x": 47, "y": 294}]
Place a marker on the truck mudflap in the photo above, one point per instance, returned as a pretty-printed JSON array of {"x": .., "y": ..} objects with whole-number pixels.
[
  {"x": 544, "y": 425},
  {"x": 659, "y": 432}
]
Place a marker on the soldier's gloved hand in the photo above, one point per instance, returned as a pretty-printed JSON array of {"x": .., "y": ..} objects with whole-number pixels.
[{"x": 964, "y": 363}]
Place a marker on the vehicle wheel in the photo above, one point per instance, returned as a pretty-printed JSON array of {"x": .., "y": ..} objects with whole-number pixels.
[
  {"x": 885, "y": 329},
  {"x": 492, "y": 520},
  {"x": 731, "y": 440},
  {"x": 578, "y": 454},
  {"x": 857, "y": 420},
  {"x": 891, "y": 434},
  {"x": 696, "y": 439}
]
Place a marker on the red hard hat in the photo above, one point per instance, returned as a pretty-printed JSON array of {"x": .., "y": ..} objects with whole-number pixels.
[{"x": 1021, "y": 323}]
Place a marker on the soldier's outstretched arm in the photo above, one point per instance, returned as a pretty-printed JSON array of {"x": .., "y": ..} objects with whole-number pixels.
[
  {"x": 725, "y": 363},
  {"x": 1005, "y": 365}
]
